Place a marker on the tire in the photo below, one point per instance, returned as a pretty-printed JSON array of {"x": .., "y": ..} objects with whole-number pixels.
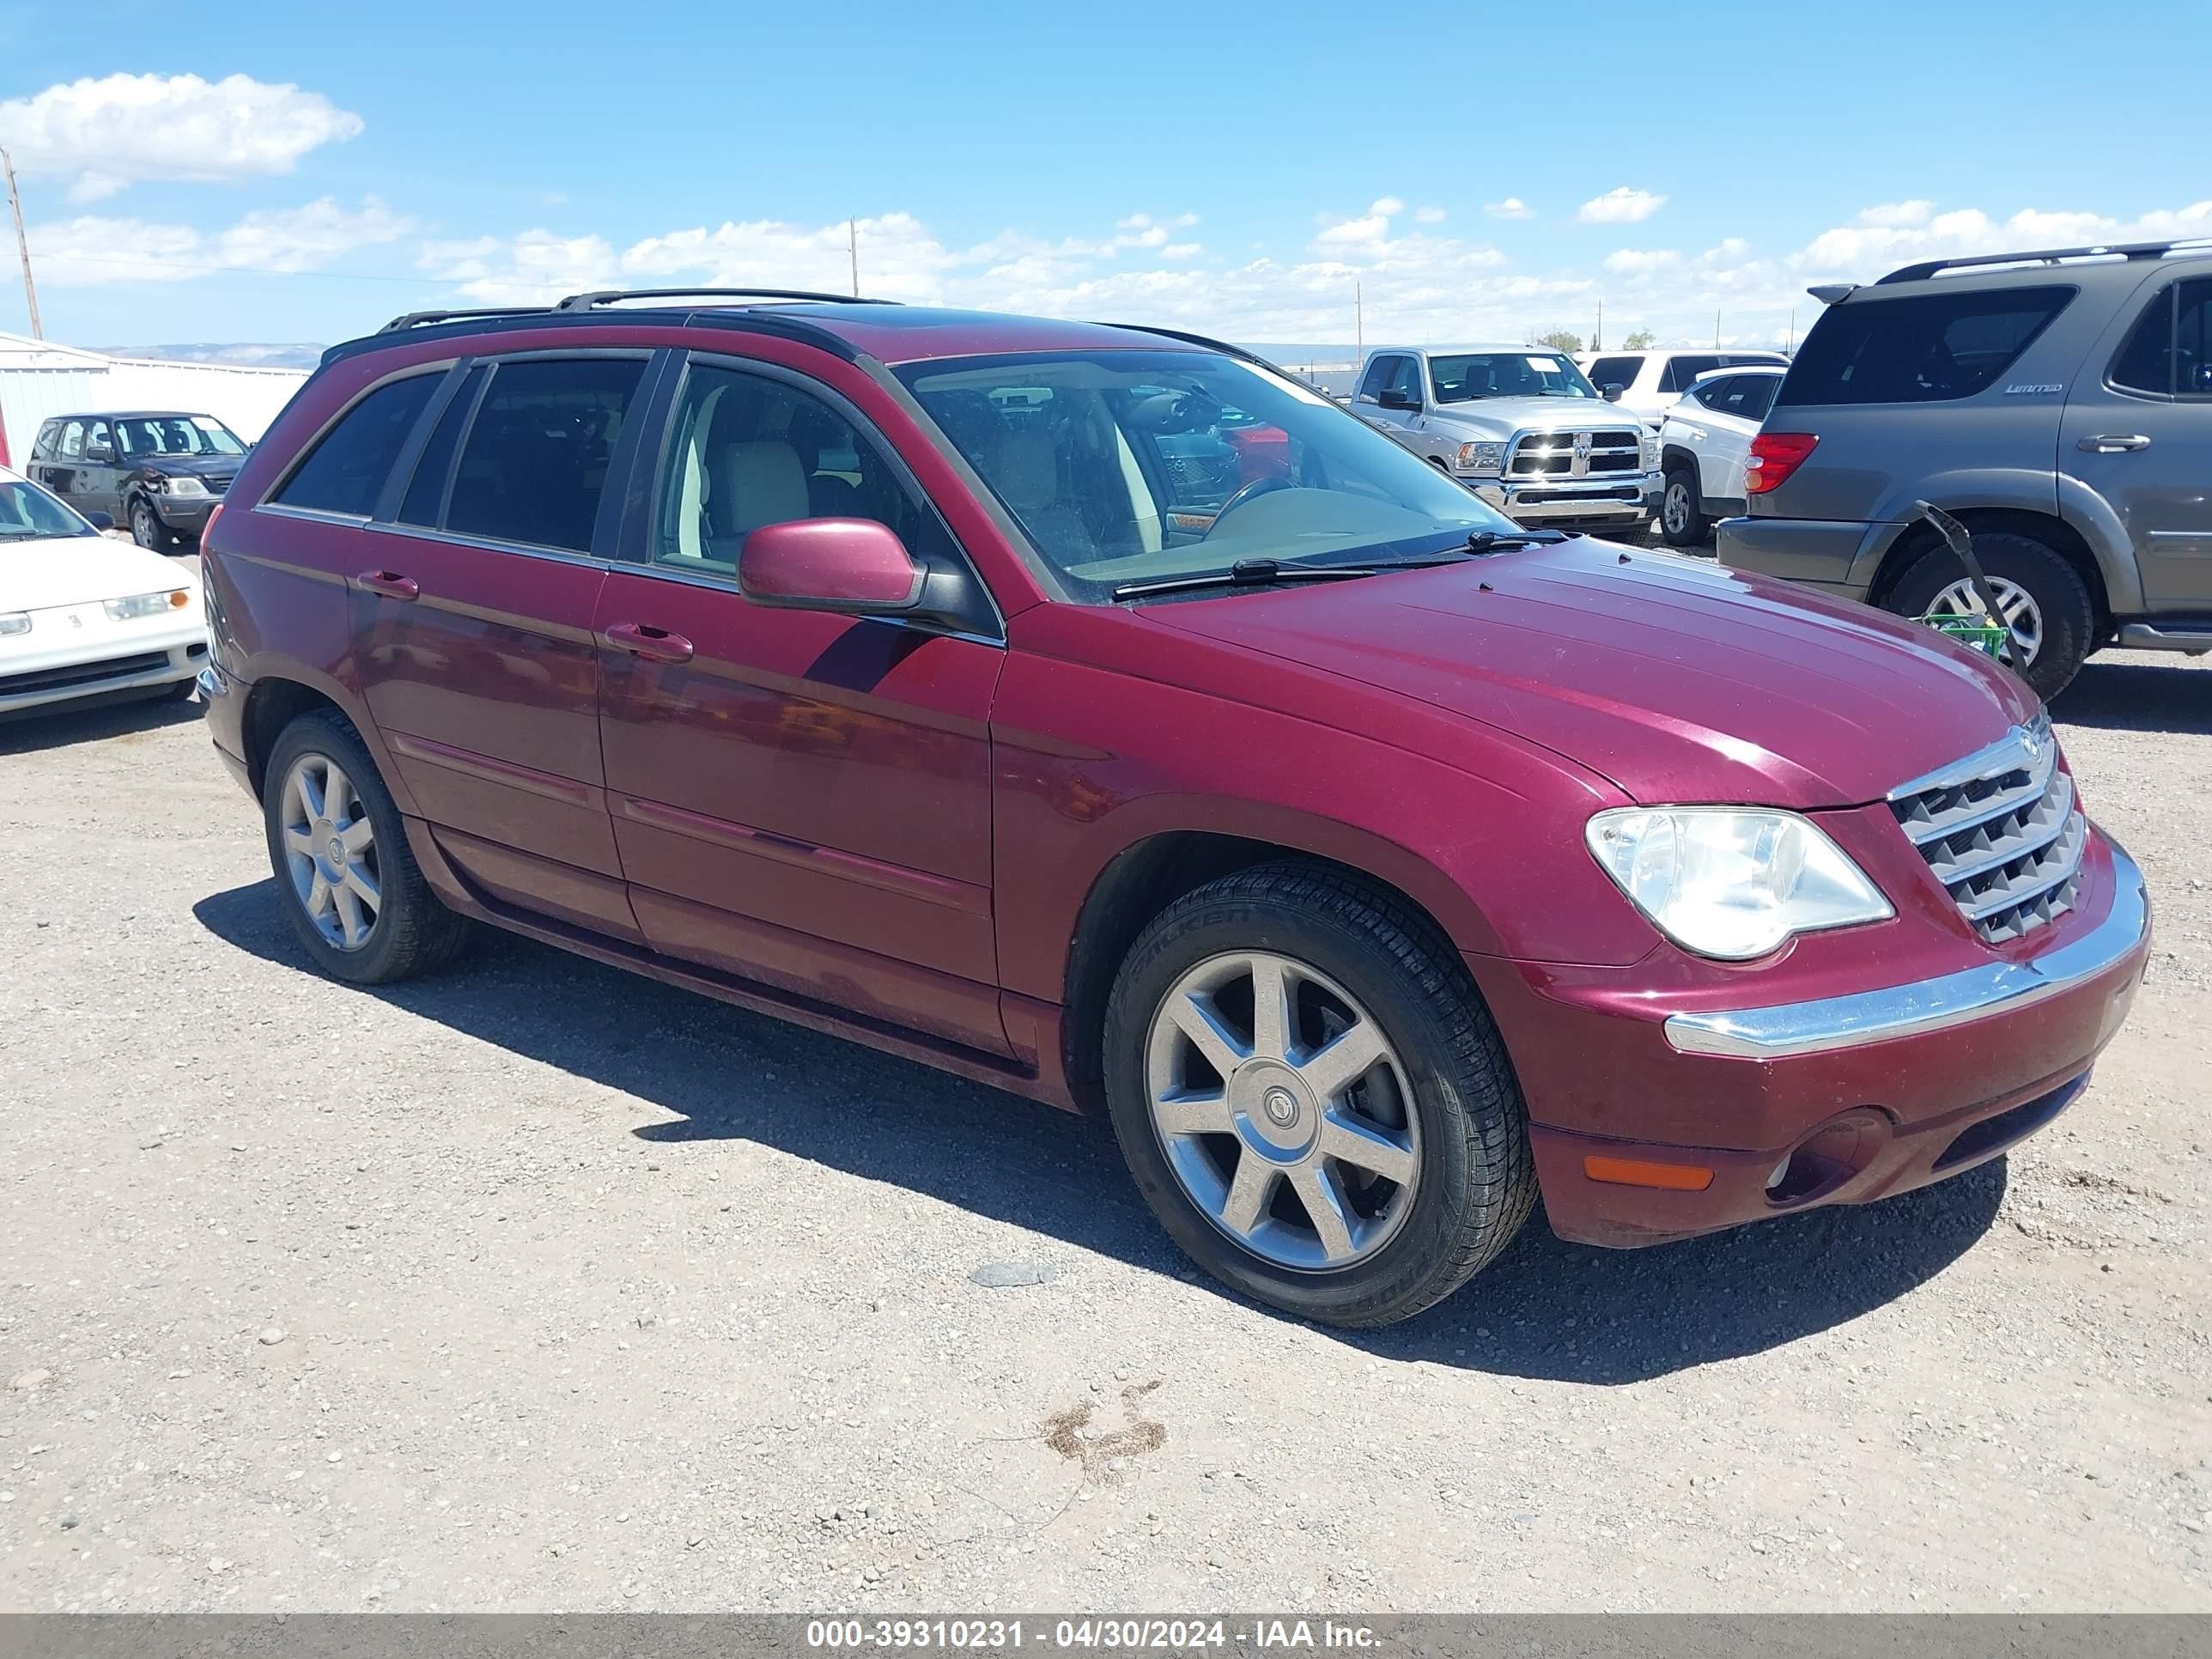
[
  {"x": 147, "y": 528},
  {"x": 2066, "y": 617},
  {"x": 1682, "y": 517},
  {"x": 1444, "y": 1081},
  {"x": 410, "y": 932}
]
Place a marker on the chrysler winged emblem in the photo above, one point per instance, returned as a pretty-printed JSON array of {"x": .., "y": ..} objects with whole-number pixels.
[{"x": 2030, "y": 741}]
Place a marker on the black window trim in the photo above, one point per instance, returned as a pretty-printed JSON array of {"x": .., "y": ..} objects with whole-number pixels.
[
  {"x": 633, "y": 548},
  {"x": 2071, "y": 290},
  {"x": 2170, "y": 291}
]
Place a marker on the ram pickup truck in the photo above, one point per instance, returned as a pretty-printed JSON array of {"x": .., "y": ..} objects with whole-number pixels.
[{"x": 1519, "y": 425}]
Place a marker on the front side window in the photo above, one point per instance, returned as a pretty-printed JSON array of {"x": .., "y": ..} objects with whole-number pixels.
[
  {"x": 99, "y": 442},
  {"x": 535, "y": 462},
  {"x": 1614, "y": 370},
  {"x": 72, "y": 441},
  {"x": 1925, "y": 348},
  {"x": 1371, "y": 383},
  {"x": 1132, "y": 465},
  {"x": 1466, "y": 377},
  {"x": 28, "y": 513},
  {"x": 749, "y": 451},
  {"x": 346, "y": 468}
]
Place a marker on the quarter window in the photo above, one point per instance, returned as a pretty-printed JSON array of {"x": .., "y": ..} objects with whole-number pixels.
[
  {"x": 749, "y": 451},
  {"x": 1681, "y": 373},
  {"x": 535, "y": 462},
  {"x": 346, "y": 468},
  {"x": 1927, "y": 348}
]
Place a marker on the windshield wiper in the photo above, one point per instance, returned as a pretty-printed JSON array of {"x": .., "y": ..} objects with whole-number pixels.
[
  {"x": 1491, "y": 541},
  {"x": 1246, "y": 573}
]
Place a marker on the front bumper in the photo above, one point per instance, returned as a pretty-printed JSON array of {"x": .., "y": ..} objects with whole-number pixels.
[
  {"x": 1840, "y": 1101},
  {"x": 77, "y": 652},
  {"x": 1620, "y": 498},
  {"x": 187, "y": 515}
]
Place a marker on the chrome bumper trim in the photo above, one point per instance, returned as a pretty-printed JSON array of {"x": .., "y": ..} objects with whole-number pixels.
[
  {"x": 1929, "y": 1005},
  {"x": 211, "y": 683}
]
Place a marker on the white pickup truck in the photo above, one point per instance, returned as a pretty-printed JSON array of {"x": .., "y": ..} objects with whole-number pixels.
[{"x": 1521, "y": 426}]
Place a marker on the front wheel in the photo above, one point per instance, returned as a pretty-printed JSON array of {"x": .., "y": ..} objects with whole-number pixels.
[
  {"x": 1682, "y": 519},
  {"x": 1313, "y": 1099},
  {"x": 146, "y": 527},
  {"x": 347, "y": 879}
]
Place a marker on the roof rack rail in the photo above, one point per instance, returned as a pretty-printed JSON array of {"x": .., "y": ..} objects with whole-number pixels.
[
  {"x": 2050, "y": 256},
  {"x": 425, "y": 319},
  {"x": 597, "y": 297}
]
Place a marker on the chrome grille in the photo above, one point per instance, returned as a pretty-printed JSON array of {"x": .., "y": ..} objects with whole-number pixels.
[
  {"x": 2003, "y": 832},
  {"x": 1545, "y": 455}
]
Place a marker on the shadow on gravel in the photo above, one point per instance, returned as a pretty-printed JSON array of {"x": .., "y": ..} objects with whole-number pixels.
[
  {"x": 91, "y": 722},
  {"x": 2130, "y": 697},
  {"x": 726, "y": 1074}
]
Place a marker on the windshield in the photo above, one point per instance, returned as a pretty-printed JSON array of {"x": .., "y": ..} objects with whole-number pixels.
[
  {"x": 1127, "y": 466},
  {"x": 26, "y": 511},
  {"x": 1463, "y": 378},
  {"x": 148, "y": 435}
]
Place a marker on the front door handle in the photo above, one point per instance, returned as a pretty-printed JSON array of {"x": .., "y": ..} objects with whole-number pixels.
[
  {"x": 2113, "y": 443},
  {"x": 653, "y": 644},
  {"x": 390, "y": 583}
]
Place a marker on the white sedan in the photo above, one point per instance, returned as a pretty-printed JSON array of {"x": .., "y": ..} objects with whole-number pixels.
[{"x": 83, "y": 615}]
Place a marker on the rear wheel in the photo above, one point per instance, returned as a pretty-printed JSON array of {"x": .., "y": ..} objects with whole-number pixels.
[
  {"x": 348, "y": 879},
  {"x": 1313, "y": 1099},
  {"x": 1682, "y": 519},
  {"x": 2044, "y": 601}
]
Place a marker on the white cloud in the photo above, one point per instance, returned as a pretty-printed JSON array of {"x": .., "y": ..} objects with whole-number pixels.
[
  {"x": 1428, "y": 216},
  {"x": 1620, "y": 206},
  {"x": 1511, "y": 208},
  {"x": 1731, "y": 251},
  {"x": 1181, "y": 251},
  {"x": 123, "y": 130},
  {"x": 1640, "y": 262},
  {"x": 1388, "y": 206},
  {"x": 95, "y": 251},
  {"x": 1896, "y": 215}
]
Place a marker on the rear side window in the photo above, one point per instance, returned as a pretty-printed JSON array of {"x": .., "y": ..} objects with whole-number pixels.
[
  {"x": 346, "y": 468},
  {"x": 2165, "y": 353},
  {"x": 425, "y": 501},
  {"x": 1929, "y": 348},
  {"x": 1680, "y": 373},
  {"x": 1614, "y": 370},
  {"x": 535, "y": 462}
]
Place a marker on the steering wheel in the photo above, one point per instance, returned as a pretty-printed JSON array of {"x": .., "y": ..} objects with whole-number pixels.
[{"x": 1266, "y": 484}]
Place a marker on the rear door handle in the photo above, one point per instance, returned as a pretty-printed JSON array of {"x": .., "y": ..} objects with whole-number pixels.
[
  {"x": 653, "y": 644},
  {"x": 389, "y": 583},
  {"x": 2113, "y": 443}
]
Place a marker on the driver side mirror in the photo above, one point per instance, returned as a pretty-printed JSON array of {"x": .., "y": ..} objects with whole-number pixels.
[
  {"x": 1393, "y": 398},
  {"x": 852, "y": 567},
  {"x": 99, "y": 453},
  {"x": 1612, "y": 391}
]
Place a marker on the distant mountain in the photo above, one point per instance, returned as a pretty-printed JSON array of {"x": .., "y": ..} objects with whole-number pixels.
[{"x": 242, "y": 356}]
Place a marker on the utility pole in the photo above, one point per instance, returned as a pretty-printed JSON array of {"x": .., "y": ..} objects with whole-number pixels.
[
  {"x": 1716, "y": 326},
  {"x": 1597, "y": 334},
  {"x": 853, "y": 247},
  {"x": 1790, "y": 350},
  {"x": 22, "y": 245},
  {"x": 1359, "y": 322}
]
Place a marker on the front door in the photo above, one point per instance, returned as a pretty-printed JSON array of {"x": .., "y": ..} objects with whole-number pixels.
[
  {"x": 802, "y": 801},
  {"x": 100, "y": 472},
  {"x": 2138, "y": 435},
  {"x": 472, "y": 614}
]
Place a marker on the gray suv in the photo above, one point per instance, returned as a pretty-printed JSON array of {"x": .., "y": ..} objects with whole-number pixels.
[{"x": 2060, "y": 402}]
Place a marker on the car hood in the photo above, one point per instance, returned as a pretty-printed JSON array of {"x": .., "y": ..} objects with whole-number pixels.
[
  {"x": 1502, "y": 416},
  {"x": 194, "y": 466},
  {"x": 59, "y": 570},
  {"x": 1679, "y": 680}
]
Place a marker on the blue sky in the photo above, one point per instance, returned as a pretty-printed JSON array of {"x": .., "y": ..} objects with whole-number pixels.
[{"x": 288, "y": 172}]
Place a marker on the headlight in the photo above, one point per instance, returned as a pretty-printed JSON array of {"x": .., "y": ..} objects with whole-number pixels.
[
  {"x": 148, "y": 604},
  {"x": 183, "y": 486},
  {"x": 1650, "y": 443},
  {"x": 16, "y": 621},
  {"x": 1729, "y": 882},
  {"x": 1480, "y": 457}
]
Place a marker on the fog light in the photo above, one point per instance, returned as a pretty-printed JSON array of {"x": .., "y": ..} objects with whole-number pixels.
[{"x": 1828, "y": 1157}]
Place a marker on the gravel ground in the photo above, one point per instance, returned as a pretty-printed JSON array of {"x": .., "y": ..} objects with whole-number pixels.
[{"x": 537, "y": 1287}]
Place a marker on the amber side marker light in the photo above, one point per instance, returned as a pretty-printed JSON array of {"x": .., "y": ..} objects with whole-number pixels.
[{"x": 1636, "y": 1172}]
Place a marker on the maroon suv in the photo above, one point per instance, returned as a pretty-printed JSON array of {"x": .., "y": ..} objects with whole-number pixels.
[{"x": 1102, "y": 714}]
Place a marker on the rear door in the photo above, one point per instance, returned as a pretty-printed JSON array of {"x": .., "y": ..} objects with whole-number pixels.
[
  {"x": 471, "y": 607},
  {"x": 2138, "y": 432},
  {"x": 1731, "y": 406},
  {"x": 800, "y": 799}
]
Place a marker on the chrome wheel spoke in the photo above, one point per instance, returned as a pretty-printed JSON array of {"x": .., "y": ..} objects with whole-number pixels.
[
  {"x": 1274, "y": 1010},
  {"x": 309, "y": 789},
  {"x": 330, "y": 852},
  {"x": 1364, "y": 1146},
  {"x": 1332, "y": 1069},
  {"x": 1195, "y": 1017},
  {"x": 356, "y": 836},
  {"x": 352, "y": 924},
  {"x": 337, "y": 794},
  {"x": 1322, "y": 1191},
  {"x": 1194, "y": 1114},
  {"x": 1248, "y": 1192},
  {"x": 362, "y": 885},
  {"x": 317, "y": 899},
  {"x": 298, "y": 842}
]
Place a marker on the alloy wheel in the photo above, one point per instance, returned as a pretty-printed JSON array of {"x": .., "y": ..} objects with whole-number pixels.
[
  {"x": 1285, "y": 1112},
  {"x": 144, "y": 530},
  {"x": 1676, "y": 510},
  {"x": 330, "y": 849},
  {"x": 2021, "y": 614}
]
